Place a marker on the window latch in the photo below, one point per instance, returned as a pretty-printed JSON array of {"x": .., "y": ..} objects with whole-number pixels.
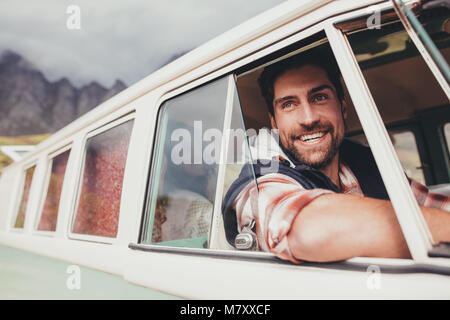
[{"x": 246, "y": 239}]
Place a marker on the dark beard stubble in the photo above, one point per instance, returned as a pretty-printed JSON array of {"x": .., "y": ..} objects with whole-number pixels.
[{"x": 329, "y": 153}]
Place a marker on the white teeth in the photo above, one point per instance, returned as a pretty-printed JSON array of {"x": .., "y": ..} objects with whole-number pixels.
[{"x": 316, "y": 135}]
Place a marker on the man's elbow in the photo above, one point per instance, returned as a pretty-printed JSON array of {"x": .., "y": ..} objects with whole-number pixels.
[{"x": 310, "y": 239}]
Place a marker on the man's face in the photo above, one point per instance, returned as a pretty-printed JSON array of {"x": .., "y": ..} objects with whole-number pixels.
[{"x": 308, "y": 115}]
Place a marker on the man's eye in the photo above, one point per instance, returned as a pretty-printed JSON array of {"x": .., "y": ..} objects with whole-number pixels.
[
  {"x": 287, "y": 105},
  {"x": 320, "y": 97}
]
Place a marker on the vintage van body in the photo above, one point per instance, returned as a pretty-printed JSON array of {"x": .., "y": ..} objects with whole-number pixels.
[{"x": 97, "y": 179}]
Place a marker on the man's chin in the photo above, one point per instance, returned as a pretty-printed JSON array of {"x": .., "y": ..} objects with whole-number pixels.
[
  {"x": 317, "y": 163},
  {"x": 317, "y": 158}
]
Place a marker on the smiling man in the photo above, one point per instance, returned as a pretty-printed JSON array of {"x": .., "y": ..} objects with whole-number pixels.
[
  {"x": 309, "y": 111},
  {"x": 326, "y": 200}
]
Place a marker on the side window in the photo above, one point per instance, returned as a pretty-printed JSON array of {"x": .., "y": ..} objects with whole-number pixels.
[
  {"x": 182, "y": 188},
  {"x": 49, "y": 214},
  {"x": 100, "y": 192},
  {"x": 20, "y": 217}
]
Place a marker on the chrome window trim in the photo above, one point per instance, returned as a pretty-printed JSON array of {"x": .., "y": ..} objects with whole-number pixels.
[{"x": 361, "y": 264}]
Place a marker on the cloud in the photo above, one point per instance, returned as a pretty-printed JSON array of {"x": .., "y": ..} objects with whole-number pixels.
[{"x": 126, "y": 39}]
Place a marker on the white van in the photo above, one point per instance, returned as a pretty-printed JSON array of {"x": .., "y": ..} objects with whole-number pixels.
[{"x": 81, "y": 214}]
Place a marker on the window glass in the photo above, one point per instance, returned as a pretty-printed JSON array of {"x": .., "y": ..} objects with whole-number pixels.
[
  {"x": 101, "y": 185},
  {"x": 49, "y": 213},
  {"x": 20, "y": 218},
  {"x": 296, "y": 114},
  {"x": 185, "y": 164}
]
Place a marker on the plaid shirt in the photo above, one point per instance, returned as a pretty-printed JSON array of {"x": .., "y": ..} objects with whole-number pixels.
[{"x": 281, "y": 198}]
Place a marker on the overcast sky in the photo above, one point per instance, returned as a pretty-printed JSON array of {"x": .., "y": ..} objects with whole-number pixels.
[{"x": 125, "y": 39}]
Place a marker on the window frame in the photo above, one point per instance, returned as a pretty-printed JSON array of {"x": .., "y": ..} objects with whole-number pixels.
[
  {"x": 46, "y": 184},
  {"x": 343, "y": 55},
  {"x": 97, "y": 130},
  {"x": 412, "y": 223}
]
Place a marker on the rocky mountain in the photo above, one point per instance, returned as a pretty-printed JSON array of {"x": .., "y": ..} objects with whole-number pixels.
[{"x": 30, "y": 104}]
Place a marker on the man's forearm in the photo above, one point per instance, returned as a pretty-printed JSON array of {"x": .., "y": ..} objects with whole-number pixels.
[{"x": 336, "y": 227}]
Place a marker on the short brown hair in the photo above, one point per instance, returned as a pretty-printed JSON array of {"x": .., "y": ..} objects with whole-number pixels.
[{"x": 267, "y": 78}]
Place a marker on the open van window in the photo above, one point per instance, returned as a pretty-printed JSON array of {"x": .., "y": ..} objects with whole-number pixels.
[
  {"x": 406, "y": 91},
  {"x": 265, "y": 208}
]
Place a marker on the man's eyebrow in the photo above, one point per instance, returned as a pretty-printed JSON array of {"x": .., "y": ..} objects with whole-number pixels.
[
  {"x": 319, "y": 88},
  {"x": 311, "y": 91},
  {"x": 284, "y": 99}
]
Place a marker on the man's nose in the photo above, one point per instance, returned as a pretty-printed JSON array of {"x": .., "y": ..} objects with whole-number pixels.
[{"x": 308, "y": 116}]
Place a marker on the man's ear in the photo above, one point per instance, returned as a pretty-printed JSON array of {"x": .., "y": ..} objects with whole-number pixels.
[
  {"x": 344, "y": 109},
  {"x": 273, "y": 123}
]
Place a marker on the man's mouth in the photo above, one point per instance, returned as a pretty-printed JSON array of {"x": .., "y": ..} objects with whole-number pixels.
[{"x": 312, "y": 138}]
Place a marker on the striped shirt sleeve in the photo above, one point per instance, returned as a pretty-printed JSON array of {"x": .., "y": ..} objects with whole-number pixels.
[
  {"x": 273, "y": 205},
  {"x": 428, "y": 199}
]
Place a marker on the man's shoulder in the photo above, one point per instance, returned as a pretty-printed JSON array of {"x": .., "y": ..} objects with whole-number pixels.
[
  {"x": 352, "y": 148},
  {"x": 307, "y": 177},
  {"x": 361, "y": 161}
]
